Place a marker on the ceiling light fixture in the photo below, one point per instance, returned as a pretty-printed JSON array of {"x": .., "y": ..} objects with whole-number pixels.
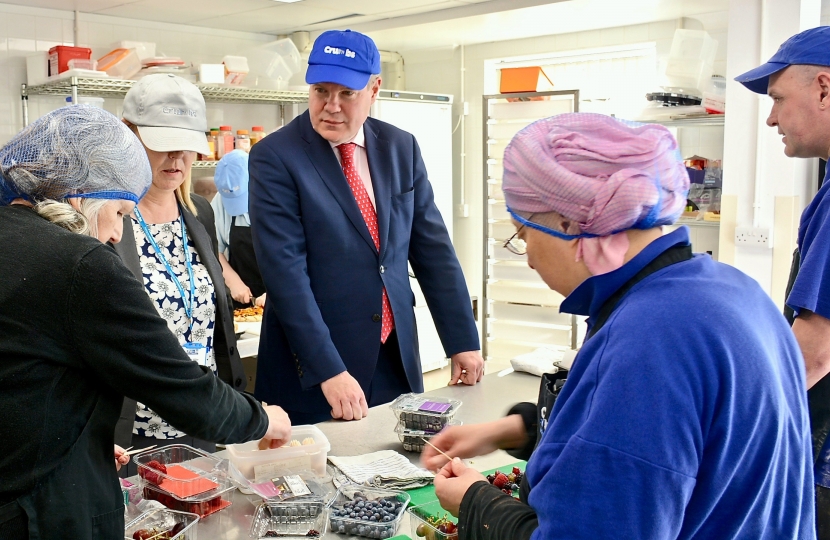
[{"x": 287, "y": 1}]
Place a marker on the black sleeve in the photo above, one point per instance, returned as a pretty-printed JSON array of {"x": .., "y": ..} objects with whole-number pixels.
[
  {"x": 528, "y": 412},
  {"x": 489, "y": 514},
  {"x": 205, "y": 215},
  {"x": 122, "y": 341}
]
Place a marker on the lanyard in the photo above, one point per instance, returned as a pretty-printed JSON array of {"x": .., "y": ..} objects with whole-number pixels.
[{"x": 188, "y": 305}]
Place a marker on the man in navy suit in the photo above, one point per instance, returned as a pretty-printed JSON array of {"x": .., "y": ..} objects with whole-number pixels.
[{"x": 339, "y": 204}]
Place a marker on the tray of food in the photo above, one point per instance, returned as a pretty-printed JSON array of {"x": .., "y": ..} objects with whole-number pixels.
[
  {"x": 366, "y": 511},
  {"x": 307, "y": 451},
  {"x": 418, "y": 412},
  {"x": 162, "y": 524},
  {"x": 290, "y": 519},
  {"x": 248, "y": 314}
]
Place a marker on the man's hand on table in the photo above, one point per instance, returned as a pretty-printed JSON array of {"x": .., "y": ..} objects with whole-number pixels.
[
  {"x": 452, "y": 482},
  {"x": 279, "y": 428},
  {"x": 467, "y": 368},
  {"x": 345, "y": 396}
]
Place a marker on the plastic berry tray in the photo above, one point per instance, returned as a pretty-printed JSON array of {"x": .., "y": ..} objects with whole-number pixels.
[
  {"x": 189, "y": 474},
  {"x": 297, "y": 519},
  {"x": 413, "y": 439},
  {"x": 203, "y": 505},
  {"x": 162, "y": 520},
  {"x": 418, "y": 412},
  {"x": 369, "y": 528},
  {"x": 422, "y": 528}
]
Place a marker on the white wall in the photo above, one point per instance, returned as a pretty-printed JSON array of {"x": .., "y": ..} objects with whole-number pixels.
[
  {"x": 440, "y": 71},
  {"x": 24, "y": 30}
]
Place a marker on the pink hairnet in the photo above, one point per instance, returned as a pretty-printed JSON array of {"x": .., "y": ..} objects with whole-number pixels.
[{"x": 605, "y": 174}]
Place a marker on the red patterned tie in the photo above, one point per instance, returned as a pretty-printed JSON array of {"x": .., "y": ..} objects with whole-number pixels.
[{"x": 371, "y": 218}]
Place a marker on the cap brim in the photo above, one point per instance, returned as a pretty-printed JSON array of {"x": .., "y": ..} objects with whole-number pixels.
[
  {"x": 168, "y": 139},
  {"x": 325, "y": 73},
  {"x": 235, "y": 206},
  {"x": 757, "y": 79}
]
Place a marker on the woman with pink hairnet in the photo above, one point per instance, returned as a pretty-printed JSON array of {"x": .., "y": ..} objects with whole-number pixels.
[{"x": 684, "y": 414}]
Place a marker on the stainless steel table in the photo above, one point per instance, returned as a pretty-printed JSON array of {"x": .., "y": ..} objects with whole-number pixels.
[{"x": 487, "y": 400}]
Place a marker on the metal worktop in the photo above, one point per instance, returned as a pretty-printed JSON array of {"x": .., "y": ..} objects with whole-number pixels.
[{"x": 487, "y": 400}]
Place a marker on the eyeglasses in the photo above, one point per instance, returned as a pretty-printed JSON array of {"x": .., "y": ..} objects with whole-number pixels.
[{"x": 516, "y": 245}]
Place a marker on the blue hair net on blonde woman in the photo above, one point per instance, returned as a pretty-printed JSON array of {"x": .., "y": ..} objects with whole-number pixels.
[{"x": 78, "y": 151}]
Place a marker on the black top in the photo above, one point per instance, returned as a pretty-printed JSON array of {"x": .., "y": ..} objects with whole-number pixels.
[
  {"x": 201, "y": 230},
  {"x": 78, "y": 334}
]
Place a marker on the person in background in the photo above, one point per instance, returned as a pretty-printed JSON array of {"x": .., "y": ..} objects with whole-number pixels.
[
  {"x": 684, "y": 414},
  {"x": 171, "y": 247},
  {"x": 797, "y": 78},
  {"x": 339, "y": 204},
  {"x": 233, "y": 231},
  {"x": 79, "y": 333}
]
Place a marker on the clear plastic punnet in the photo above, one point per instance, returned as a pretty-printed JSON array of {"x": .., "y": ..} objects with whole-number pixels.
[
  {"x": 299, "y": 519},
  {"x": 414, "y": 440},
  {"x": 429, "y": 414},
  {"x": 367, "y": 511},
  {"x": 162, "y": 524},
  {"x": 307, "y": 451},
  {"x": 184, "y": 478},
  {"x": 431, "y": 522}
]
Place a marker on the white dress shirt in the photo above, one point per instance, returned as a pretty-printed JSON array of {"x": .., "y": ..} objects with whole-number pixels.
[{"x": 361, "y": 161}]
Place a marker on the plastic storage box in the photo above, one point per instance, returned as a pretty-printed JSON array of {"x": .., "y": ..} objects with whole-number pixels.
[
  {"x": 413, "y": 439},
  {"x": 422, "y": 527},
  {"x": 301, "y": 519},
  {"x": 340, "y": 519},
  {"x": 236, "y": 68},
  {"x": 60, "y": 55},
  {"x": 194, "y": 482},
  {"x": 691, "y": 61},
  {"x": 157, "y": 522},
  {"x": 120, "y": 63},
  {"x": 418, "y": 412},
  {"x": 256, "y": 464}
]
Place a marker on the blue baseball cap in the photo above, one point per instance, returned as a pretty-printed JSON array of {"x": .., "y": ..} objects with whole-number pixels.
[
  {"x": 231, "y": 179},
  {"x": 343, "y": 57},
  {"x": 809, "y": 47}
]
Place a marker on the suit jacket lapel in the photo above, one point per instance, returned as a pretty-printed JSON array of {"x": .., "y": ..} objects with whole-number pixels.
[
  {"x": 380, "y": 167},
  {"x": 128, "y": 251},
  {"x": 325, "y": 162},
  {"x": 204, "y": 247}
]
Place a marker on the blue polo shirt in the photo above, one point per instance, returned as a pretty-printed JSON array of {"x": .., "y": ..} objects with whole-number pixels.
[
  {"x": 684, "y": 416},
  {"x": 811, "y": 289}
]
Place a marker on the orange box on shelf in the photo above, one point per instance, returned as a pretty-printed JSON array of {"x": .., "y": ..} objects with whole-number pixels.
[
  {"x": 523, "y": 79},
  {"x": 60, "y": 55}
]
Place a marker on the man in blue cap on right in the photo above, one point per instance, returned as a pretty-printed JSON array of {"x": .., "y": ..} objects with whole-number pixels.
[
  {"x": 797, "y": 78},
  {"x": 340, "y": 203}
]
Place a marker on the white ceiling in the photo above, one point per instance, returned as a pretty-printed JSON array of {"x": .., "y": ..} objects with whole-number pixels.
[{"x": 400, "y": 25}]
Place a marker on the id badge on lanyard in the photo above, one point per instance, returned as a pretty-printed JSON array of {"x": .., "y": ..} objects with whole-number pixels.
[{"x": 196, "y": 352}]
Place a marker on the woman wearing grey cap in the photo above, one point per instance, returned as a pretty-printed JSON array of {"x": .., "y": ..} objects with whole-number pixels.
[
  {"x": 172, "y": 252},
  {"x": 79, "y": 333}
]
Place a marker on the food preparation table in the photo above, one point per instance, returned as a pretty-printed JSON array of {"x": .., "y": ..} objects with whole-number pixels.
[{"x": 487, "y": 400}]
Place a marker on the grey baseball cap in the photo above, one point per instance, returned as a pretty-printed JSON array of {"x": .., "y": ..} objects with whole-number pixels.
[{"x": 169, "y": 113}]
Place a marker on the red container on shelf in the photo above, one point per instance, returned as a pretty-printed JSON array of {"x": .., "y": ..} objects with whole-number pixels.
[{"x": 60, "y": 55}]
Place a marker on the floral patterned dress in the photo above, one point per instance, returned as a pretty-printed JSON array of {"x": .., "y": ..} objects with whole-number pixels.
[{"x": 171, "y": 307}]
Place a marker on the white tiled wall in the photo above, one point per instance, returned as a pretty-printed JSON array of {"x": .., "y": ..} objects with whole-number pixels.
[{"x": 25, "y": 30}]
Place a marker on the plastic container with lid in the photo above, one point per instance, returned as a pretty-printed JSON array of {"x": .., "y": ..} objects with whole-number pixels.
[
  {"x": 274, "y": 63},
  {"x": 298, "y": 520},
  {"x": 120, "y": 63},
  {"x": 340, "y": 521},
  {"x": 308, "y": 454},
  {"x": 60, "y": 55},
  {"x": 418, "y": 412},
  {"x": 211, "y": 155},
  {"x": 243, "y": 141},
  {"x": 191, "y": 476},
  {"x": 413, "y": 439},
  {"x": 690, "y": 61},
  {"x": 202, "y": 505},
  {"x": 257, "y": 134},
  {"x": 236, "y": 68},
  {"x": 163, "y": 520},
  {"x": 226, "y": 141}
]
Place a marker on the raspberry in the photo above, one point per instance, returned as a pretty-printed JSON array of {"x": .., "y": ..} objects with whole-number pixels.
[
  {"x": 501, "y": 480},
  {"x": 157, "y": 466},
  {"x": 517, "y": 471}
]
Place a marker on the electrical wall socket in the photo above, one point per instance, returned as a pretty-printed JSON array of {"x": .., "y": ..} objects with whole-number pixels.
[{"x": 752, "y": 237}]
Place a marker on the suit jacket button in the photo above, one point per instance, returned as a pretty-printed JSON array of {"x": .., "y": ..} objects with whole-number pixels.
[
  {"x": 376, "y": 317},
  {"x": 382, "y": 269}
]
